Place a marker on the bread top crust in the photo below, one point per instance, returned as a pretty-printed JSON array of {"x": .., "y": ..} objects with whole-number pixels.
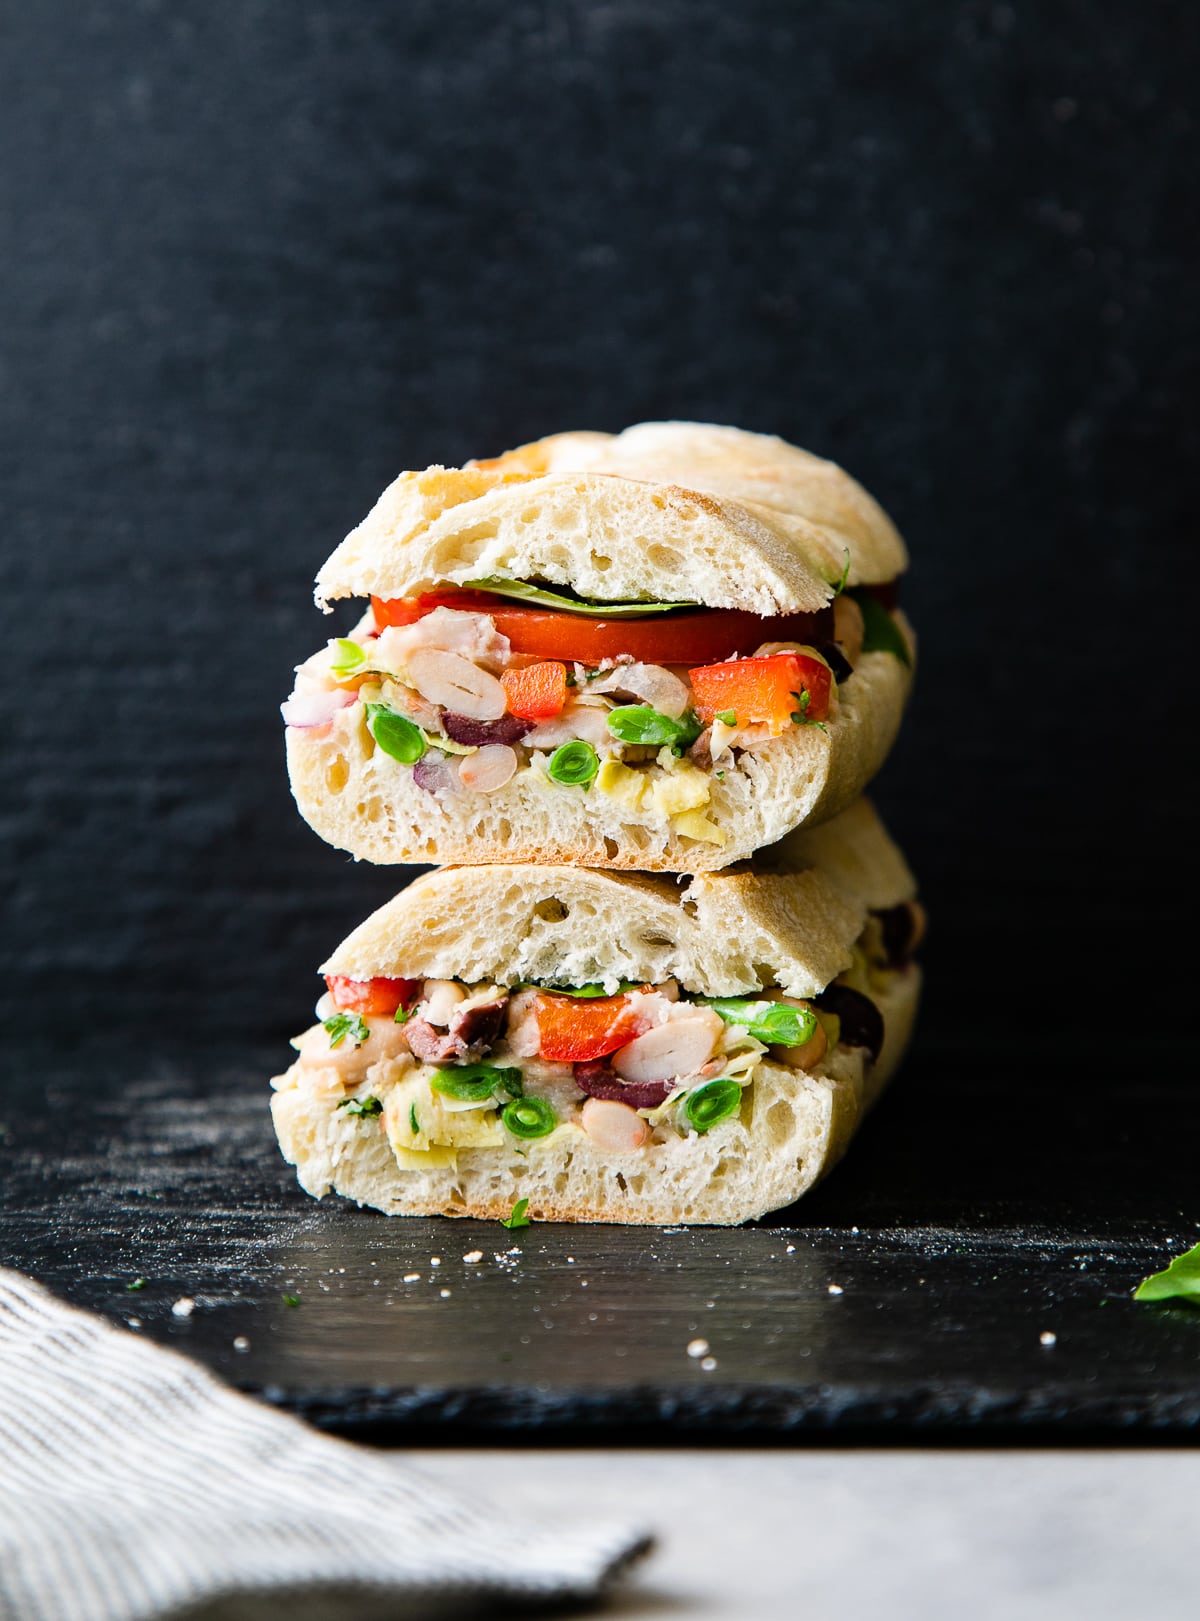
[
  {"x": 665, "y": 511},
  {"x": 724, "y": 934}
]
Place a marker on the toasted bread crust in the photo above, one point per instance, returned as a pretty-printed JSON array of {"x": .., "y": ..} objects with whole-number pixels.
[{"x": 664, "y": 511}]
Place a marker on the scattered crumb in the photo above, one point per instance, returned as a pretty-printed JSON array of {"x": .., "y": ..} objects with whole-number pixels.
[
  {"x": 791, "y": 1250},
  {"x": 473, "y": 1257},
  {"x": 709, "y": 1304},
  {"x": 709, "y": 1363},
  {"x": 697, "y": 1348},
  {"x": 570, "y": 1260},
  {"x": 445, "y": 1293},
  {"x": 412, "y": 1277},
  {"x": 133, "y": 1322},
  {"x": 241, "y": 1343},
  {"x": 836, "y": 1289},
  {"x": 583, "y": 1283},
  {"x": 1047, "y": 1338},
  {"x": 183, "y": 1307},
  {"x": 435, "y": 1260}
]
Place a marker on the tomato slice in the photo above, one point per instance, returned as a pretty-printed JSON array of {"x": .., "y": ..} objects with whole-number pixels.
[
  {"x": 766, "y": 691},
  {"x": 573, "y": 1030},
  {"x": 537, "y": 691},
  {"x": 378, "y": 996},
  {"x": 691, "y": 636}
]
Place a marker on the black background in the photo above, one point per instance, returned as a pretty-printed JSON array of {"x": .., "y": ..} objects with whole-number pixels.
[{"x": 259, "y": 258}]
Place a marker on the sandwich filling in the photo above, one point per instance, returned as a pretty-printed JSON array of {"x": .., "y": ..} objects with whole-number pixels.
[
  {"x": 442, "y": 1065},
  {"x": 642, "y": 702}
]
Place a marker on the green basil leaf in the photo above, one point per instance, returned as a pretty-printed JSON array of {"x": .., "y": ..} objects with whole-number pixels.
[
  {"x": 776, "y": 1024},
  {"x": 342, "y": 1025},
  {"x": 348, "y": 656},
  {"x": 517, "y": 1217},
  {"x": 529, "y": 1117},
  {"x": 713, "y": 1102},
  {"x": 881, "y": 633},
  {"x": 586, "y": 992},
  {"x": 395, "y": 734},
  {"x": 1179, "y": 1281},
  {"x": 362, "y": 1108},
  {"x": 639, "y": 724},
  {"x": 540, "y": 597},
  {"x": 472, "y": 1083},
  {"x": 573, "y": 764}
]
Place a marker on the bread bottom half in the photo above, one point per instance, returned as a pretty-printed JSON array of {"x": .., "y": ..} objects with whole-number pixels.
[
  {"x": 360, "y": 800},
  {"x": 792, "y": 1129}
]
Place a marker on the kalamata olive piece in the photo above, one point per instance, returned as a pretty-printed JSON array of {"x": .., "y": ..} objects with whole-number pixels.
[
  {"x": 836, "y": 660},
  {"x": 903, "y": 927},
  {"x": 462, "y": 729},
  {"x": 861, "y": 1021},
  {"x": 599, "y": 1081},
  {"x": 436, "y": 773}
]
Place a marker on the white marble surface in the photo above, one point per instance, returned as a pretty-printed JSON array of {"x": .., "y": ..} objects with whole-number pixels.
[{"x": 880, "y": 1535}]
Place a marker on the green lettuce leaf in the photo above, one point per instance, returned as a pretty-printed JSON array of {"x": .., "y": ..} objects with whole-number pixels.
[
  {"x": 538, "y": 597},
  {"x": 1179, "y": 1281}
]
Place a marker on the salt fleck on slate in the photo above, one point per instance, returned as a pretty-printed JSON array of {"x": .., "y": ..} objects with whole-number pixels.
[
  {"x": 183, "y": 1307},
  {"x": 1047, "y": 1338},
  {"x": 697, "y": 1348},
  {"x": 473, "y": 1257},
  {"x": 412, "y": 1277},
  {"x": 709, "y": 1363},
  {"x": 241, "y": 1343},
  {"x": 836, "y": 1289}
]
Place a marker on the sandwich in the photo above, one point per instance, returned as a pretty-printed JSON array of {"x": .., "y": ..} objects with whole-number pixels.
[
  {"x": 609, "y": 1046},
  {"x": 657, "y": 650}
]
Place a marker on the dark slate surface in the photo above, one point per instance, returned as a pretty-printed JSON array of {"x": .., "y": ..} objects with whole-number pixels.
[
  {"x": 955, "y": 1250},
  {"x": 258, "y": 258}
]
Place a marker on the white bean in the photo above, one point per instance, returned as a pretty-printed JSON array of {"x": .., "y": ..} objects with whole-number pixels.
[
  {"x": 679, "y": 1047},
  {"x": 649, "y": 682},
  {"x": 348, "y": 1058},
  {"x": 488, "y": 768},
  {"x": 613, "y": 1126},
  {"x": 439, "y": 999},
  {"x": 456, "y": 684}
]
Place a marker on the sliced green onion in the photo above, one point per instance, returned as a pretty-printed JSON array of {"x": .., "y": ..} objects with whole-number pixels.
[
  {"x": 362, "y": 1108},
  {"x": 524, "y": 592},
  {"x": 473, "y": 1083},
  {"x": 881, "y": 633},
  {"x": 713, "y": 1102},
  {"x": 342, "y": 1025},
  {"x": 348, "y": 656},
  {"x": 638, "y": 723},
  {"x": 777, "y": 1024},
  {"x": 574, "y": 763},
  {"x": 529, "y": 1117},
  {"x": 395, "y": 734}
]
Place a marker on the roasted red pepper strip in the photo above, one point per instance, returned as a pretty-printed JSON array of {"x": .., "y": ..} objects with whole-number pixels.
[
  {"x": 574, "y": 1031},
  {"x": 536, "y": 692},
  {"x": 764, "y": 691},
  {"x": 378, "y": 996}
]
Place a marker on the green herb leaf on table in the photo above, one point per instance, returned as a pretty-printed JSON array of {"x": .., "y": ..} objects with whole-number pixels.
[
  {"x": 539, "y": 597},
  {"x": 138, "y": 1283},
  {"x": 290, "y": 1300},
  {"x": 517, "y": 1216},
  {"x": 342, "y": 1025},
  {"x": 362, "y": 1108},
  {"x": 1178, "y": 1281}
]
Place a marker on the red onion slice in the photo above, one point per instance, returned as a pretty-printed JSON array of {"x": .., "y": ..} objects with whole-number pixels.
[
  {"x": 599, "y": 1081},
  {"x": 462, "y": 729},
  {"x": 308, "y": 709}
]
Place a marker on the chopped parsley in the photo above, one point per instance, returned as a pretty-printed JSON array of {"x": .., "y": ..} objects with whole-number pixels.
[
  {"x": 414, "y": 1123},
  {"x": 727, "y": 717},
  {"x": 138, "y": 1283},
  {"x": 342, "y": 1025},
  {"x": 290, "y": 1300},
  {"x": 363, "y": 1108}
]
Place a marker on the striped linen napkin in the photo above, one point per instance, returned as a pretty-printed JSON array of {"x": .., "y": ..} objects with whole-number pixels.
[{"x": 133, "y": 1485}]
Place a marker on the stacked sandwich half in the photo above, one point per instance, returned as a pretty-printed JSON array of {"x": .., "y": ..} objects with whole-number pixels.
[{"x": 625, "y": 691}]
